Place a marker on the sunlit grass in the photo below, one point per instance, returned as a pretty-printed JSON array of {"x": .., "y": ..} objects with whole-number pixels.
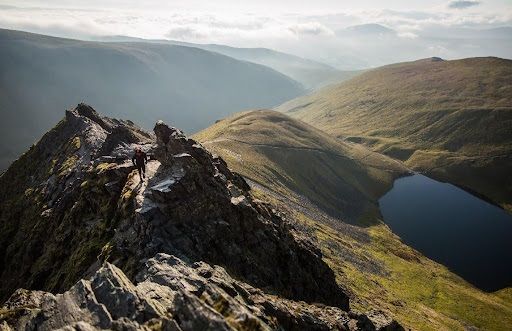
[
  {"x": 284, "y": 154},
  {"x": 451, "y": 119}
]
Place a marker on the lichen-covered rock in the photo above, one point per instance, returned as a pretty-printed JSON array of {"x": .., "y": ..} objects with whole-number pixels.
[
  {"x": 56, "y": 206},
  {"x": 172, "y": 294},
  {"x": 62, "y": 199}
]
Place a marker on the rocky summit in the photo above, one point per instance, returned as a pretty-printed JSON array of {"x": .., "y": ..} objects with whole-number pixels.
[{"x": 86, "y": 245}]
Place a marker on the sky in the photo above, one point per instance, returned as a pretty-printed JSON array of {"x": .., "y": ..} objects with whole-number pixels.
[{"x": 344, "y": 34}]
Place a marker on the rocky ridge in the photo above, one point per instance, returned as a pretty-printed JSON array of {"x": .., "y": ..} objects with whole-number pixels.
[
  {"x": 74, "y": 214},
  {"x": 173, "y": 295}
]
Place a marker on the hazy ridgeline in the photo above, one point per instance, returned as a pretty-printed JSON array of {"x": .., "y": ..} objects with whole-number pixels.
[
  {"x": 188, "y": 87},
  {"x": 311, "y": 74}
]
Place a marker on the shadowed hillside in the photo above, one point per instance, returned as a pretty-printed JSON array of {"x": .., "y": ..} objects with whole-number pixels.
[
  {"x": 343, "y": 179},
  {"x": 41, "y": 76},
  {"x": 450, "y": 119},
  {"x": 311, "y": 74}
]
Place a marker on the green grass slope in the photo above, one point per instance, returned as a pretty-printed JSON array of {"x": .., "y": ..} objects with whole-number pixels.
[
  {"x": 343, "y": 179},
  {"x": 450, "y": 119},
  {"x": 384, "y": 273},
  {"x": 282, "y": 157}
]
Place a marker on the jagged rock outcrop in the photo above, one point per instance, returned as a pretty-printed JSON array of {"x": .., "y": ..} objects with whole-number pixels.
[
  {"x": 194, "y": 207},
  {"x": 74, "y": 202},
  {"x": 173, "y": 295}
]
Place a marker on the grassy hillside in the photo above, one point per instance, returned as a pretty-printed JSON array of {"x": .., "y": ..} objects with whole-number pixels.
[
  {"x": 384, "y": 273},
  {"x": 189, "y": 87},
  {"x": 282, "y": 157},
  {"x": 450, "y": 119},
  {"x": 343, "y": 179}
]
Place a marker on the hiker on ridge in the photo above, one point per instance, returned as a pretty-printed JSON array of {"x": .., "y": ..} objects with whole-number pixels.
[{"x": 139, "y": 160}]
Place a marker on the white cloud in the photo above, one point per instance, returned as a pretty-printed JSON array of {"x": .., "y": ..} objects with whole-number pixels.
[
  {"x": 185, "y": 33},
  {"x": 310, "y": 28},
  {"x": 417, "y": 32},
  {"x": 409, "y": 35},
  {"x": 46, "y": 21},
  {"x": 463, "y": 4},
  {"x": 438, "y": 50}
]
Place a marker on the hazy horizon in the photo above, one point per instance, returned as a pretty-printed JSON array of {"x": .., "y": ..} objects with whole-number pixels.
[{"x": 342, "y": 34}]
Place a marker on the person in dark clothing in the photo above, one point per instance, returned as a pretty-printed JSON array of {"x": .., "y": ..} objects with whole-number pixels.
[{"x": 139, "y": 160}]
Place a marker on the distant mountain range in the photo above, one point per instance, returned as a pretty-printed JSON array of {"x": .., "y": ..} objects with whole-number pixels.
[
  {"x": 187, "y": 86},
  {"x": 311, "y": 74},
  {"x": 450, "y": 119},
  {"x": 372, "y": 45}
]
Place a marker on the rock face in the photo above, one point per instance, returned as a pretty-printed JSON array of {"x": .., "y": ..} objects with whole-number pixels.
[
  {"x": 194, "y": 207},
  {"x": 173, "y": 295},
  {"x": 74, "y": 202},
  {"x": 60, "y": 203}
]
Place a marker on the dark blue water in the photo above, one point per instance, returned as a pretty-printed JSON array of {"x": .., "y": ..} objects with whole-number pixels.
[{"x": 468, "y": 235}]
